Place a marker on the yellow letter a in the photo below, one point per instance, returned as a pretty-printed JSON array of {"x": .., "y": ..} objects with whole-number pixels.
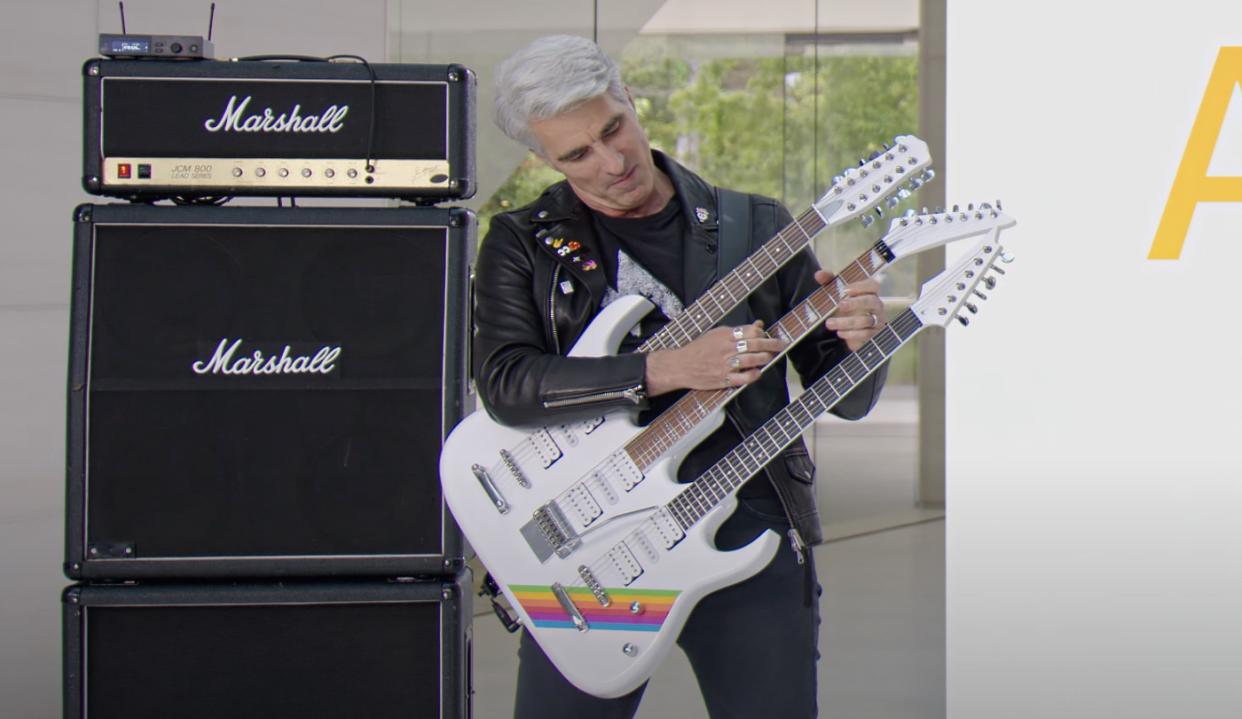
[{"x": 1192, "y": 184}]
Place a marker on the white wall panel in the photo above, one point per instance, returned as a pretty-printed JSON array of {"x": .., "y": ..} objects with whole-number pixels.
[
  {"x": 1094, "y": 542},
  {"x": 45, "y": 43}
]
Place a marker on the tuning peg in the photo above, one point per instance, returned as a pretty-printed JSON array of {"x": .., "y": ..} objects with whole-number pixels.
[
  {"x": 838, "y": 180},
  {"x": 974, "y": 309},
  {"x": 862, "y": 162},
  {"x": 910, "y": 213},
  {"x": 989, "y": 282},
  {"x": 929, "y": 175},
  {"x": 938, "y": 210},
  {"x": 879, "y": 211},
  {"x": 903, "y": 193},
  {"x": 1006, "y": 258},
  {"x": 925, "y": 212},
  {"x": 892, "y": 202},
  {"x": 955, "y": 208},
  {"x": 902, "y": 148},
  {"x": 980, "y": 294},
  {"x": 965, "y": 322},
  {"x": 970, "y": 207},
  {"x": 866, "y": 220},
  {"x": 998, "y": 205},
  {"x": 998, "y": 270}
]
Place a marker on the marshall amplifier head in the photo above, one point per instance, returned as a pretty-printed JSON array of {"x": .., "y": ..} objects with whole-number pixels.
[
  {"x": 157, "y": 129},
  {"x": 329, "y": 650},
  {"x": 264, "y": 391}
]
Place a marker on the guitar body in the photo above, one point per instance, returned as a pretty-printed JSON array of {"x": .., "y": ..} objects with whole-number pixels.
[
  {"x": 621, "y": 646},
  {"x": 630, "y": 632}
]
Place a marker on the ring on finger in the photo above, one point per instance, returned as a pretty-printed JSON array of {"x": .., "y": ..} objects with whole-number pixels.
[
  {"x": 875, "y": 321},
  {"x": 735, "y": 362},
  {"x": 737, "y": 333},
  {"x": 741, "y": 346}
]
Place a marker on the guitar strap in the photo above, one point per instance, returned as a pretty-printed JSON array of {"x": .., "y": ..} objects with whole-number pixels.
[{"x": 733, "y": 213}]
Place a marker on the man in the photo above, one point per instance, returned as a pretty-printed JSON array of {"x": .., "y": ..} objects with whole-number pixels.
[{"x": 633, "y": 220}]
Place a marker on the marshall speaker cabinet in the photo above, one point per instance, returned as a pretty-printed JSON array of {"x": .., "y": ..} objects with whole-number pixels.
[
  {"x": 378, "y": 650},
  {"x": 264, "y": 391},
  {"x": 196, "y": 129}
]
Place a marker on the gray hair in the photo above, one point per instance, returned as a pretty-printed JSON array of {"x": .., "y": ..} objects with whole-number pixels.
[{"x": 552, "y": 75}]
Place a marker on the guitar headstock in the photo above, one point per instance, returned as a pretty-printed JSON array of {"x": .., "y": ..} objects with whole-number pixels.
[
  {"x": 913, "y": 233},
  {"x": 944, "y": 296},
  {"x": 883, "y": 179}
]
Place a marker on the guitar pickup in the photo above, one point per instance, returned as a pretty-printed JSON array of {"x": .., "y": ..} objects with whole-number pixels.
[
  {"x": 543, "y": 444},
  {"x": 584, "y": 504},
  {"x": 625, "y": 563}
]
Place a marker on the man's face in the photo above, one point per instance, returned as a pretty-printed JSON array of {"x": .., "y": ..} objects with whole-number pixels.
[{"x": 603, "y": 152}]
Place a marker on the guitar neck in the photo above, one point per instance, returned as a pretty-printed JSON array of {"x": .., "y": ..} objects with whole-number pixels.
[
  {"x": 710, "y": 308},
  {"x": 695, "y": 406},
  {"x": 747, "y": 459}
]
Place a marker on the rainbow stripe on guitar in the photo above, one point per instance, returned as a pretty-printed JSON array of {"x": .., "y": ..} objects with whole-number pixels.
[{"x": 631, "y": 610}]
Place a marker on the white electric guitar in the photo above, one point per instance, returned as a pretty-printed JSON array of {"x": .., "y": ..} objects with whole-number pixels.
[
  {"x": 516, "y": 528},
  {"x": 607, "y": 614},
  {"x": 482, "y": 454}
]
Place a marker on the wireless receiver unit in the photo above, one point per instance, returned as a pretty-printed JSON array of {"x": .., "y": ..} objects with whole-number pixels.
[{"x": 185, "y": 47}]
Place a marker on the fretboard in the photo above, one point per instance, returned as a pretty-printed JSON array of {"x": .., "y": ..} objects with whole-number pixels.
[
  {"x": 712, "y": 306},
  {"x": 748, "y": 458},
  {"x": 677, "y": 421}
]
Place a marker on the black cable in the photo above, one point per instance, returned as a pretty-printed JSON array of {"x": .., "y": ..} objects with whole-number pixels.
[
  {"x": 216, "y": 201},
  {"x": 370, "y": 166},
  {"x": 273, "y": 58}
]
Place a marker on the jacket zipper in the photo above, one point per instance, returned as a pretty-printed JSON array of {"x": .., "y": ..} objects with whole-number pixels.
[
  {"x": 634, "y": 394},
  {"x": 556, "y": 340}
]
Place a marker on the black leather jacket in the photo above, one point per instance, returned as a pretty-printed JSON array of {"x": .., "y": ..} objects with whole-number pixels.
[{"x": 532, "y": 303}]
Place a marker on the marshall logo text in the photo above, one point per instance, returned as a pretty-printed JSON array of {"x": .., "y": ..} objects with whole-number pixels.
[
  {"x": 257, "y": 363},
  {"x": 235, "y": 119}
]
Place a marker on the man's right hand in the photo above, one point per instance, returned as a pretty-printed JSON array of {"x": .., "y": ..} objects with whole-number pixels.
[{"x": 722, "y": 357}]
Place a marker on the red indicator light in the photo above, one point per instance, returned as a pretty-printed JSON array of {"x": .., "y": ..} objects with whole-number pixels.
[{"x": 122, "y": 171}]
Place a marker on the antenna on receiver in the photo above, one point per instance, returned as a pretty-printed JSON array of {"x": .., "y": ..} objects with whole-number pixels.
[
  {"x": 123, "y": 30},
  {"x": 211, "y": 21}
]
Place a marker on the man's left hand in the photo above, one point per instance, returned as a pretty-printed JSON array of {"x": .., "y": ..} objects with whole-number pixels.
[{"x": 861, "y": 313}]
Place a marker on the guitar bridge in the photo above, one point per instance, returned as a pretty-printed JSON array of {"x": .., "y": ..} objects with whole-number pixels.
[
  {"x": 549, "y": 532},
  {"x": 592, "y": 582}
]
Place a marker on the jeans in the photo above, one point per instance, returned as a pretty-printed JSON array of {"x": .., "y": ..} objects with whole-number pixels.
[{"x": 753, "y": 645}]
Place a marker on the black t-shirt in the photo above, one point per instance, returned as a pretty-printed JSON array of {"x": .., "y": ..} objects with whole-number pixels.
[{"x": 654, "y": 242}]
